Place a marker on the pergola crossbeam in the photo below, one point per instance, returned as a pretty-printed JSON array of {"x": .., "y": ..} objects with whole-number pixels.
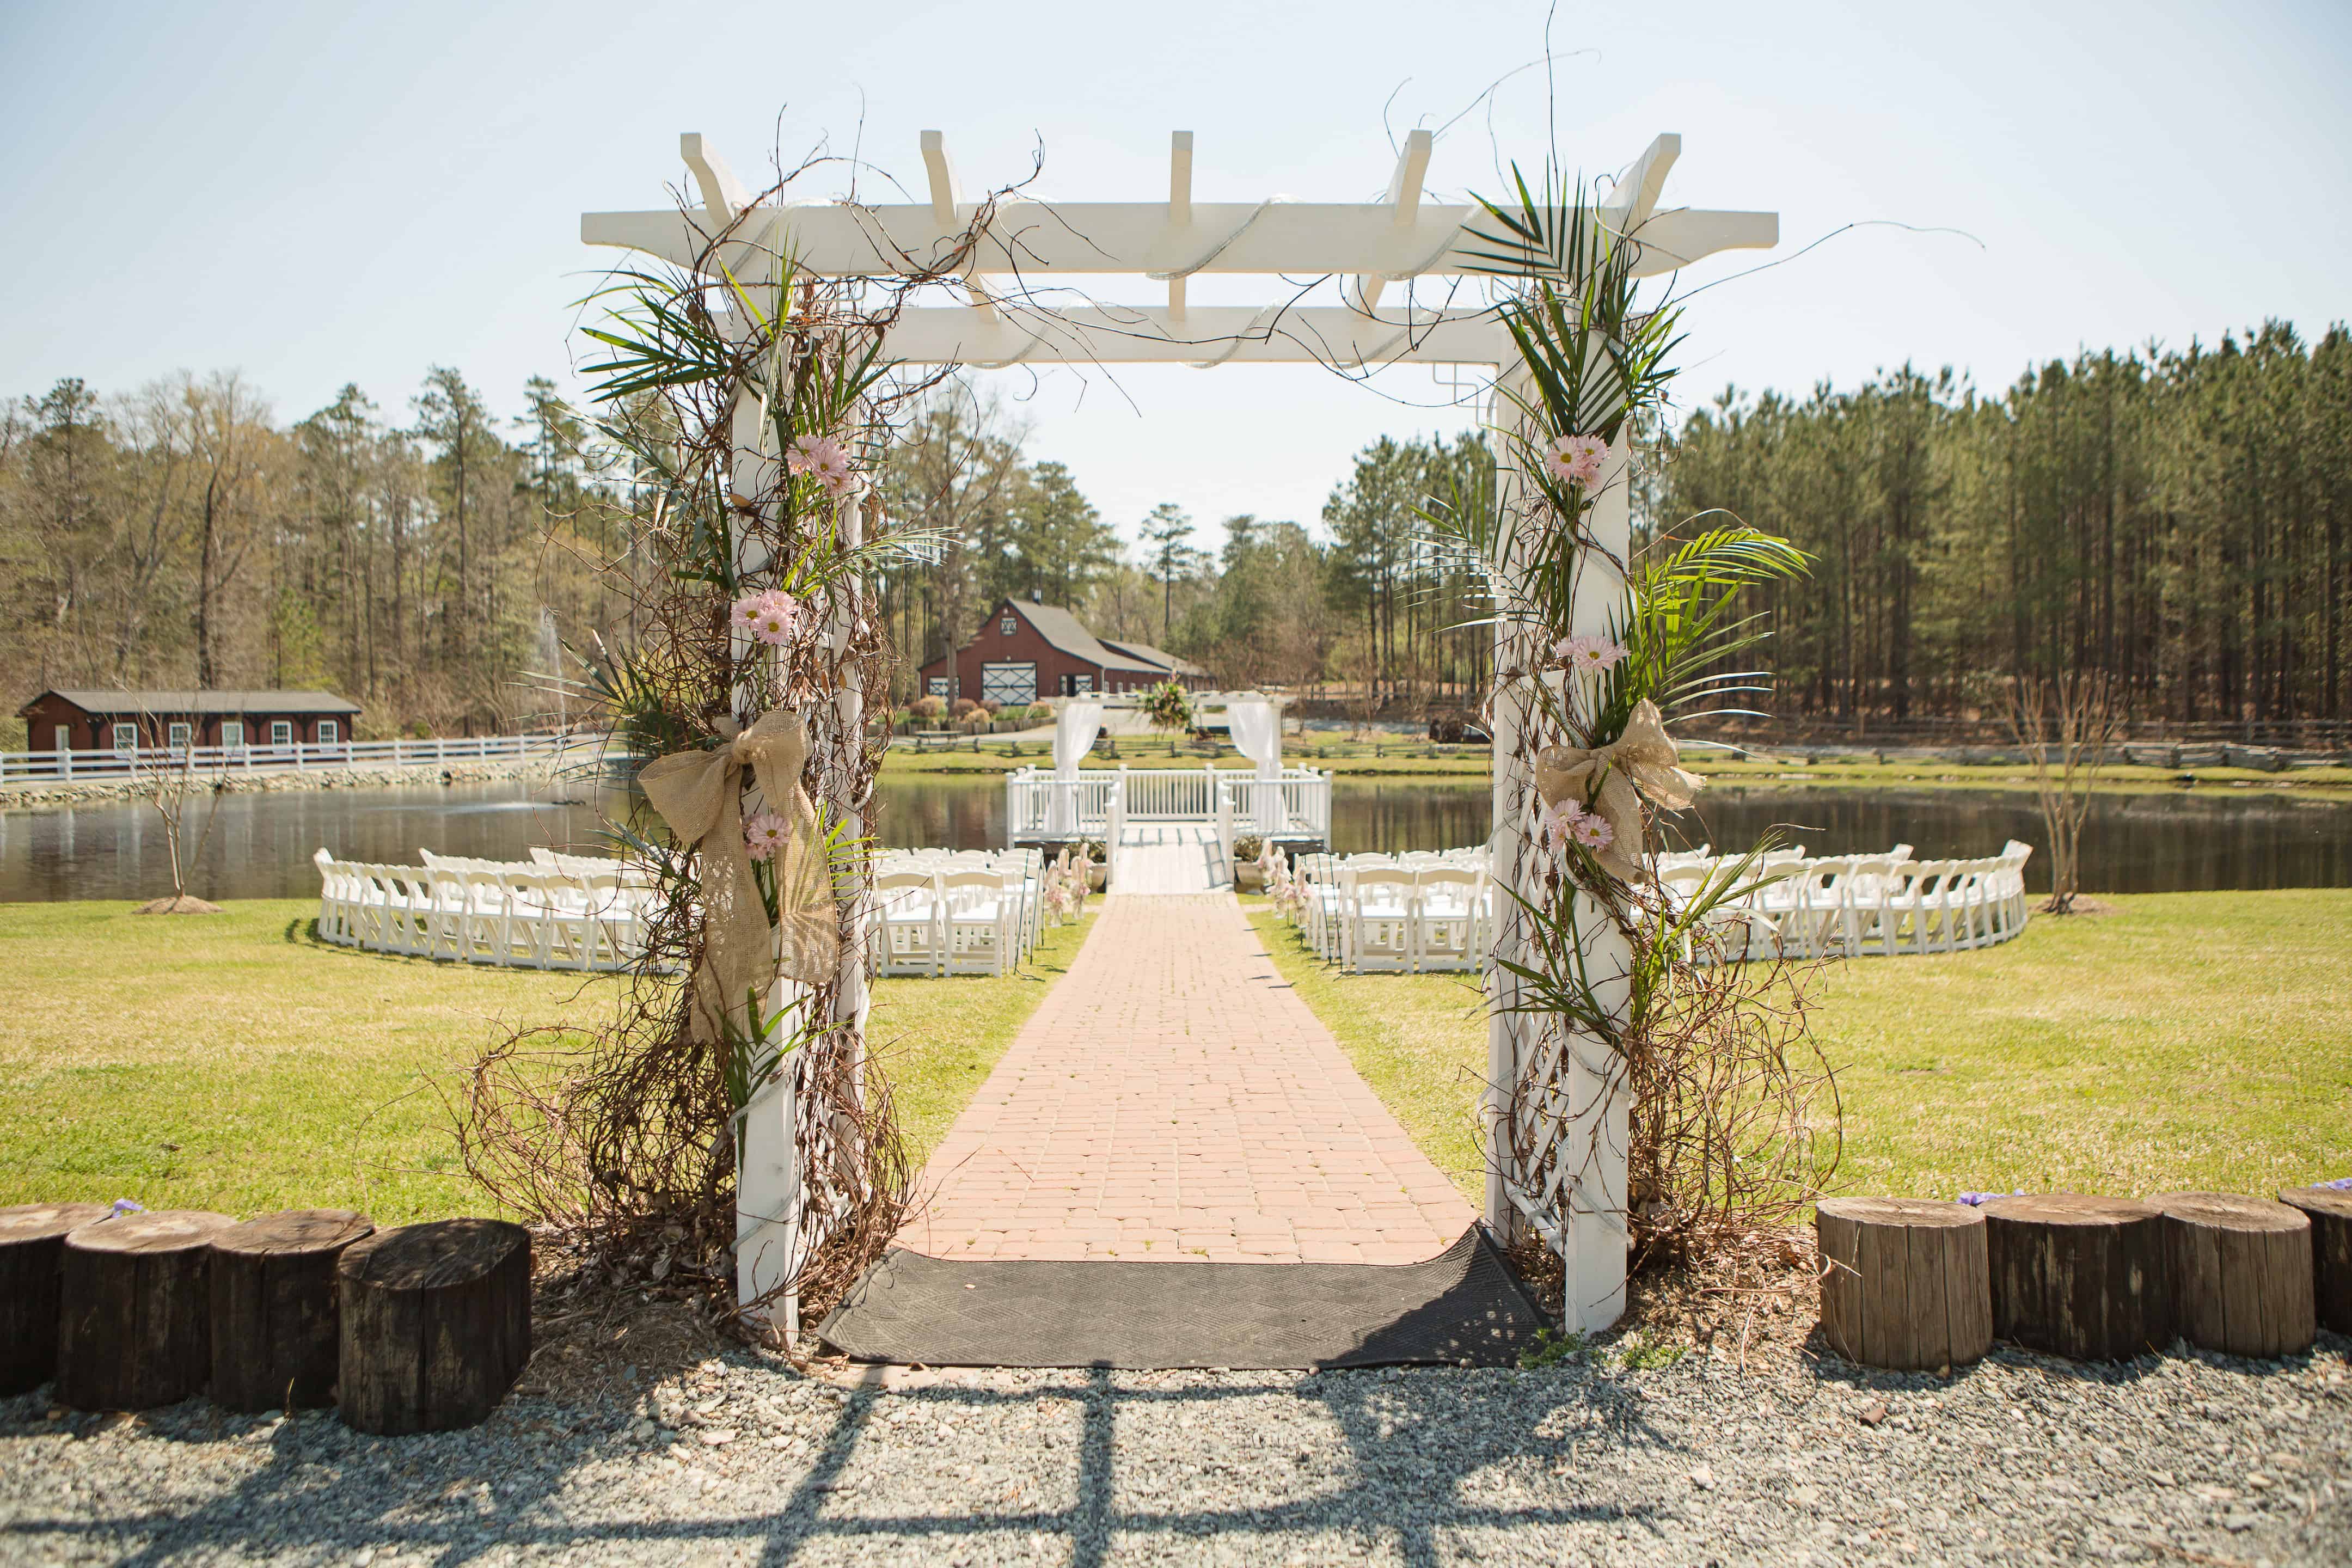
[
  {"x": 1332, "y": 335},
  {"x": 944, "y": 205},
  {"x": 1180, "y": 207},
  {"x": 1404, "y": 200},
  {"x": 1046, "y": 240}
]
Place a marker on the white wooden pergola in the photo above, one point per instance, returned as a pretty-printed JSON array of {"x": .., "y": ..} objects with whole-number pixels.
[{"x": 1030, "y": 249}]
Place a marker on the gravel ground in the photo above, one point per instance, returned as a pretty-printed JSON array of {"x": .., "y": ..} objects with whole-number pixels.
[{"x": 2020, "y": 1459}]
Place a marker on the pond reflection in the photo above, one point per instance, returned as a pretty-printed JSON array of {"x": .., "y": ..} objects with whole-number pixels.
[{"x": 260, "y": 845}]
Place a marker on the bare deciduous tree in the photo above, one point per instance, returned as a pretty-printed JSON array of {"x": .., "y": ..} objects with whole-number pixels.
[{"x": 2067, "y": 726}]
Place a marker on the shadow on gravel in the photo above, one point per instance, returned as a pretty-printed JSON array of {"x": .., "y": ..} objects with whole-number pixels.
[{"x": 1400, "y": 1458}]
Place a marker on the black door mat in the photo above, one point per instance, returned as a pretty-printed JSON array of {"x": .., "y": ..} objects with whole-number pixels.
[{"x": 1461, "y": 1306}]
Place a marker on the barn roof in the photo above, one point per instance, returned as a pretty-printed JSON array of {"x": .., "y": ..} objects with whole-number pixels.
[
  {"x": 1065, "y": 632},
  {"x": 1151, "y": 654},
  {"x": 192, "y": 701}
]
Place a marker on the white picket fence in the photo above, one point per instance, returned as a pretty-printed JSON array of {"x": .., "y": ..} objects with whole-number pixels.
[
  {"x": 66, "y": 766},
  {"x": 555, "y": 912}
]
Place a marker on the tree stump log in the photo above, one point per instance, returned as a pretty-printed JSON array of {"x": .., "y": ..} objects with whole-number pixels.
[
  {"x": 2240, "y": 1269},
  {"x": 274, "y": 1311},
  {"x": 2079, "y": 1277},
  {"x": 2329, "y": 1210},
  {"x": 1906, "y": 1284},
  {"x": 436, "y": 1324},
  {"x": 32, "y": 1248},
  {"x": 135, "y": 1321}
]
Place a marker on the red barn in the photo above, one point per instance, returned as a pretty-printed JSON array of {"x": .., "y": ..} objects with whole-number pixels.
[
  {"x": 1027, "y": 651},
  {"x": 118, "y": 720}
]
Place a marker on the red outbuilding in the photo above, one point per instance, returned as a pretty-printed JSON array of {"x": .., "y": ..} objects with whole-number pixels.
[
  {"x": 1027, "y": 651},
  {"x": 118, "y": 720}
]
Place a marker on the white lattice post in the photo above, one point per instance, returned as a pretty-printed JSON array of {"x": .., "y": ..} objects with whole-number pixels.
[
  {"x": 1508, "y": 848},
  {"x": 1598, "y": 1108},
  {"x": 1554, "y": 1091},
  {"x": 768, "y": 1199}
]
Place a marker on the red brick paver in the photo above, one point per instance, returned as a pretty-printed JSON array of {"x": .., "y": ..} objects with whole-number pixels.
[{"x": 1173, "y": 1098}]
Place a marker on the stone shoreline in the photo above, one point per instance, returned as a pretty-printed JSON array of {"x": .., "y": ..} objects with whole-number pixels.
[{"x": 46, "y": 793}]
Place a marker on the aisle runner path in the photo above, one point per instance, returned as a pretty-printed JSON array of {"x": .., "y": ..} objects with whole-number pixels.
[{"x": 1173, "y": 1099}]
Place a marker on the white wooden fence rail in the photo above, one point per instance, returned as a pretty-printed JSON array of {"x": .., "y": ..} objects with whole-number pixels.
[
  {"x": 1037, "y": 804},
  {"x": 64, "y": 766}
]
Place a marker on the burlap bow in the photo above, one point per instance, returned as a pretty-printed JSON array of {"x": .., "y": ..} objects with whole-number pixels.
[
  {"x": 701, "y": 794},
  {"x": 1640, "y": 761}
]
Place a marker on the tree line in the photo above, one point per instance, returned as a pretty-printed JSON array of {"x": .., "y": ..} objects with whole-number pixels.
[
  {"x": 2174, "y": 518},
  {"x": 1361, "y": 602},
  {"x": 179, "y": 537}
]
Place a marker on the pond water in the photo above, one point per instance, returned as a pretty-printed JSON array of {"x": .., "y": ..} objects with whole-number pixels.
[{"x": 260, "y": 846}]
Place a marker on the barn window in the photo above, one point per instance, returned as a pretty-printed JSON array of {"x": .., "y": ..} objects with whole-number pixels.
[
  {"x": 180, "y": 736},
  {"x": 1007, "y": 627},
  {"x": 233, "y": 734},
  {"x": 281, "y": 731},
  {"x": 329, "y": 731},
  {"x": 126, "y": 738}
]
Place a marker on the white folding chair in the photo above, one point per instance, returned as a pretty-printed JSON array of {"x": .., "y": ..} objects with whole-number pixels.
[
  {"x": 1445, "y": 918},
  {"x": 908, "y": 903},
  {"x": 1377, "y": 918},
  {"x": 979, "y": 921}
]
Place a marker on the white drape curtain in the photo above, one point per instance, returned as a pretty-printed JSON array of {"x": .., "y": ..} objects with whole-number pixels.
[
  {"x": 1073, "y": 737},
  {"x": 1257, "y": 735}
]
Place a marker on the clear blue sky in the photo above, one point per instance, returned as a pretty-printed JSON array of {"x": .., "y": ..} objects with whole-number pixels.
[{"x": 318, "y": 194}]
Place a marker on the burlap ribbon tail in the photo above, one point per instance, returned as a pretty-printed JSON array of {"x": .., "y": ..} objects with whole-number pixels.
[
  {"x": 701, "y": 794},
  {"x": 1639, "y": 762}
]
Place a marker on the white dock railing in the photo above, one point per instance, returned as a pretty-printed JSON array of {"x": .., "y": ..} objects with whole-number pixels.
[
  {"x": 1038, "y": 804},
  {"x": 66, "y": 766}
]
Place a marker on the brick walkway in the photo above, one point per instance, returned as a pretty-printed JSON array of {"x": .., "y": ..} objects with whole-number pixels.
[{"x": 1173, "y": 1098}]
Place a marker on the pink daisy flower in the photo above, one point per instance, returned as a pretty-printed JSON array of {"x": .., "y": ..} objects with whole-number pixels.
[
  {"x": 1590, "y": 831},
  {"x": 1560, "y": 822},
  {"x": 765, "y": 834},
  {"x": 1588, "y": 654},
  {"x": 1576, "y": 460},
  {"x": 824, "y": 458},
  {"x": 771, "y": 615}
]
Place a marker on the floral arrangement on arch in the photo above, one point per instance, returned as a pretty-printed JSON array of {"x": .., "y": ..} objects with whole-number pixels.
[
  {"x": 743, "y": 418},
  {"x": 1699, "y": 1047}
]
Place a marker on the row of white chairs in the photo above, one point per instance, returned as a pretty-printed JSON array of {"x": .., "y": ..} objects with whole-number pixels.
[
  {"x": 509, "y": 915},
  {"x": 543, "y": 860},
  {"x": 1422, "y": 911},
  {"x": 1862, "y": 905},
  {"x": 1436, "y": 910},
  {"x": 970, "y": 912}
]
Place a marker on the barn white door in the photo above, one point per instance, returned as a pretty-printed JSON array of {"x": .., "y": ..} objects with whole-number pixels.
[{"x": 1008, "y": 683}]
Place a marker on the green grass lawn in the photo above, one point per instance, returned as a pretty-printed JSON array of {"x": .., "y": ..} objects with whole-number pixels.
[
  {"x": 2184, "y": 1041},
  {"x": 232, "y": 1062}
]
